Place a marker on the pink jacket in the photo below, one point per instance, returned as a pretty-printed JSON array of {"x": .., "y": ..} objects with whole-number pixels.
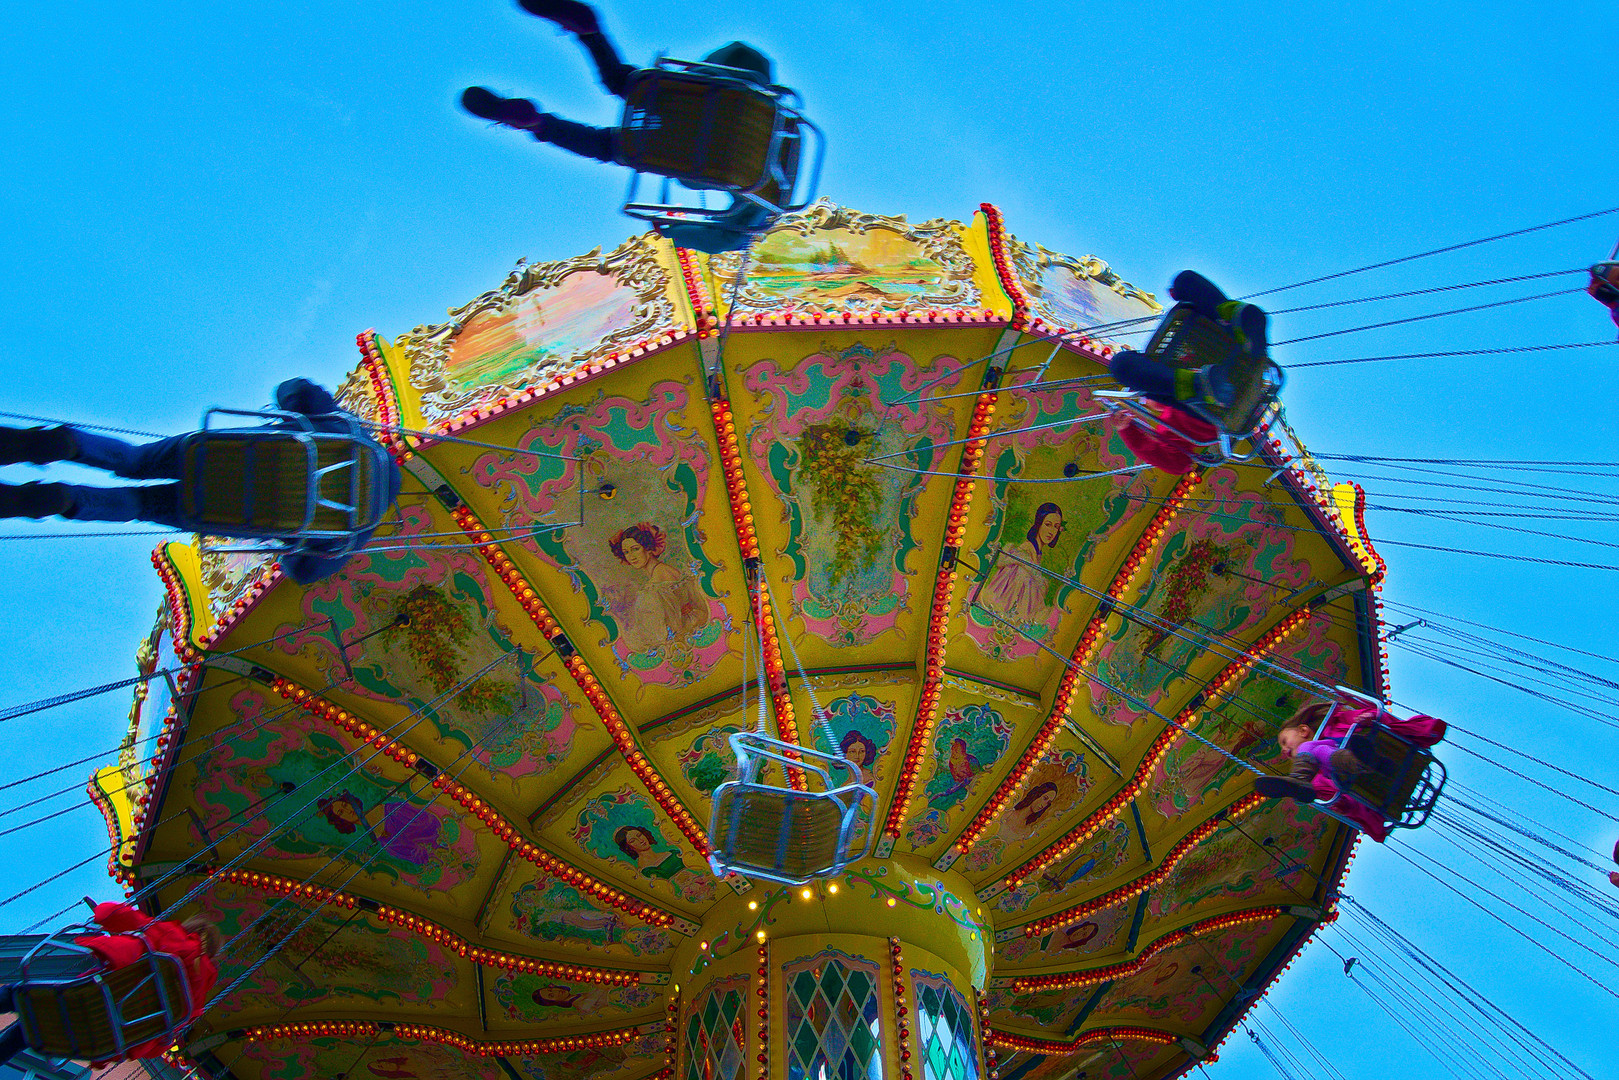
[{"x": 1421, "y": 730}]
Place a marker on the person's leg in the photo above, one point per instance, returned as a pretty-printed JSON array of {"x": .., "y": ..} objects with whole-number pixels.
[
  {"x": 33, "y": 500},
  {"x": 523, "y": 114},
  {"x": 12, "y": 1042},
  {"x": 157, "y": 503},
  {"x": 1137, "y": 372},
  {"x": 1295, "y": 785},
  {"x": 581, "y": 139},
  {"x": 581, "y": 20},
  {"x": 38, "y": 445},
  {"x": 159, "y": 460}
]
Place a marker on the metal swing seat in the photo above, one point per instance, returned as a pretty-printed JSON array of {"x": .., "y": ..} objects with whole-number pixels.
[
  {"x": 1402, "y": 780},
  {"x": 305, "y": 489},
  {"x": 1188, "y": 340},
  {"x": 793, "y": 832},
  {"x": 716, "y": 128},
  {"x": 101, "y": 1014}
]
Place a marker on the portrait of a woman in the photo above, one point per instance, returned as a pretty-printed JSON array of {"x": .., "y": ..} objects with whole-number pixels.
[
  {"x": 1037, "y": 803},
  {"x": 667, "y": 604},
  {"x": 640, "y": 847},
  {"x": 1017, "y": 592},
  {"x": 408, "y": 833},
  {"x": 860, "y": 752}
]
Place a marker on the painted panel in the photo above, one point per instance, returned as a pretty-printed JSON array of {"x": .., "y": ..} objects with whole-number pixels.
[
  {"x": 1059, "y": 527},
  {"x": 1077, "y": 292},
  {"x": 547, "y": 320},
  {"x": 1053, "y": 790},
  {"x": 541, "y": 999},
  {"x": 454, "y": 659},
  {"x": 541, "y": 908},
  {"x": 362, "y": 814},
  {"x": 387, "y": 1059},
  {"x": 337, "y": 958},
  {"x": 1219, "y": 572},
  {"x": 849, "y": 534},
  {"x": 1103, "y": 933},
  {"x": 833, "y": 259},
  {"x": 1169, "y": 992},
  {"x": 620, "y": 827},
  {"x": 1190, "y": 773},
  {"x": 1238, "y": 865},
  {"x": 633, "y": 1059},
  {"x": 637, "y": 554},
  {"x": 968, "y": 742},
  {"x": 1109, "y": 852}
]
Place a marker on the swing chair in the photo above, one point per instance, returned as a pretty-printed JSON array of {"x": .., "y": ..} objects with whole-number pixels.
[
  {"x": 792, "y": 832},
  {"x": 305, "y": 489},
  {"x": 101, "y": 1014},
  {"x": 1186, "y": 339},
  {"x": 799, "y": 829},
  {"x": 716, "y": 128},
  {"x": 1402, "y": 780}
]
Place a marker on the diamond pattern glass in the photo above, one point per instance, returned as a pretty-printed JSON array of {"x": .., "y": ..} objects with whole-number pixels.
[
  {"x": 945, "y": 1030},
  {"x": 715, "y": 1041},
  {"x": 832, "y": 1024}
]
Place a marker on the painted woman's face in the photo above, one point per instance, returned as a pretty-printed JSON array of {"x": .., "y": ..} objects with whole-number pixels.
[
  {"x": 856, "y": 752},
  {"x": 343, "y": 810},
  {"x": 1038, "y": 808},
  {"x": 634, "y": 554},
  {"x": 1050, "y": 529},
  {"x": 639, "y": 841}
]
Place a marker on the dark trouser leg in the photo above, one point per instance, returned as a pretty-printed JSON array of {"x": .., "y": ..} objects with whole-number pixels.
[
  {"x": 12, "y": 1042},
  {"x": 159, "y": 460},
  {"x": 1139, "y": 373},
  {"x": 581, "y": 139},
  {"x": 157, "y": 503},
  {"x": 610, "y": 67}
]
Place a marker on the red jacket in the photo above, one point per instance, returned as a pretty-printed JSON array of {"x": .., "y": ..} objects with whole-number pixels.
[
  {"x": 1165, "y": 449},
  {"x": 120, "y": 948}
]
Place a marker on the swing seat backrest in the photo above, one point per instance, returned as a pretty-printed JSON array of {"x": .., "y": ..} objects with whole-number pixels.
[
  {"x": 794, "y": 834},
  {"x": 1403, "y": 782},
  {"x": 278, "y": 484},
  {"x": 801, "y": 829},
  {"x": 1185, "y": 339},
  {"x": 102, "y": 1015},
  {"x": 707, "y": 131}
]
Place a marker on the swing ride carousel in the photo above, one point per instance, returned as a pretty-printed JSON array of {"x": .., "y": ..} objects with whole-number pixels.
[{"x": 451, "y": 808}]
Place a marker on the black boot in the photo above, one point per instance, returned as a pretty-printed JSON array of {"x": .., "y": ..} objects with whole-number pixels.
[
  {"x": 520, "y": 113},
  {"x": 38, "y": 445},
  {"x": 569, "y": 14},
  {"x": 34, "y": 500},
  {"x": 1284, "y": 787}
]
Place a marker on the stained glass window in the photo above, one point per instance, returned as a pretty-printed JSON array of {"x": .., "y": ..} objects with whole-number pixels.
[
  {"x": 832, "y": 1025},
  {"x": 715, "y": 1041},
  {"x": 944, "y": 1029}
]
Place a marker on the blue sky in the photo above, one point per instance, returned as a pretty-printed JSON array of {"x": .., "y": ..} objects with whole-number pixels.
[{"x": 204, "y": 199}]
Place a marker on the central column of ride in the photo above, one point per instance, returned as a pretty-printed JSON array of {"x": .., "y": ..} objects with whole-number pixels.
[{"x": 871, "y": 974}]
